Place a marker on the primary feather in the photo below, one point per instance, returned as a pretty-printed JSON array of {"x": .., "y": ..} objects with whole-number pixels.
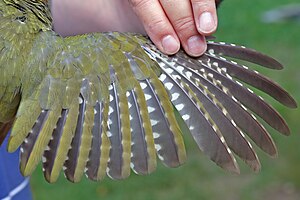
[{"x": 104, "y": 102}]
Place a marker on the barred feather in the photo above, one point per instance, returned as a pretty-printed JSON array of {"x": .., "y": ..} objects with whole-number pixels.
[
  {"x": 98, "y": 157},
  {"x": 209, "y": 140},
  {"x": 232, "y": 134},
  {"x": 80, "y": 146},
  {"x": 251, "y": 77},
  {"x": 245, "y": 120},
  {"x": 143, "y": 158},
  {"x": 242, "y": 53},
  {"x": 119, "y": 135}
]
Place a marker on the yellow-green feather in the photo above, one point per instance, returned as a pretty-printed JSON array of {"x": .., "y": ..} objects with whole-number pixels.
[
  {"x": 85, "y": 145},
  {"x": 105, "y": 146},
  {"x": 28, "y": 112},
  {"x": 147, "y": 128},
  {"x": 41, "y": 142},
  {"x": 126, "y": 135},
  {"x": 65, "y": 142}
]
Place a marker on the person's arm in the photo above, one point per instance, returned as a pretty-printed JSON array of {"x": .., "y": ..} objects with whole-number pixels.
[{"x": 168, "y": 23}]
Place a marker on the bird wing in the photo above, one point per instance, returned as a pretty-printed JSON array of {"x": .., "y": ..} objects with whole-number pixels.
[{"x": 104, "y": 103}]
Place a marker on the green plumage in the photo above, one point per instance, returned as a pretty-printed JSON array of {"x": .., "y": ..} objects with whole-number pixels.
[{"x": 104, "y": 102}]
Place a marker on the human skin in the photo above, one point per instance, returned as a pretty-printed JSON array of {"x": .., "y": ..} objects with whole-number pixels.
[{"x": 169, "y": 23}]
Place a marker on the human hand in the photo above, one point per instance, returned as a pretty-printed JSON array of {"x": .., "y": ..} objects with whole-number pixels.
[
  {"x": 170, "y": 23},
  {"x": 161, "y": 19}
]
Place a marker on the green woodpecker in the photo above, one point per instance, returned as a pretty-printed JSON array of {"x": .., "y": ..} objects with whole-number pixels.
[{"x": 105, "y": 103}]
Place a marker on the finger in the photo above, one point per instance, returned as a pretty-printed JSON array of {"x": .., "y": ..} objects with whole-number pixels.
[
  {"x": 205, "y": 15},
  {"x": 157, "y": 25},
  {"x": 181, "y": 17}
]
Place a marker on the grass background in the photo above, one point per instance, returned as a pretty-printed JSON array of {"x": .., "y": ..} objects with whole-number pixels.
[{"x": 199, "y": 178}]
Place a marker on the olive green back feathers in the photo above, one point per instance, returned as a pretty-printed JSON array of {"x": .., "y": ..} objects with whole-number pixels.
[{"x": 104, "y": 103}]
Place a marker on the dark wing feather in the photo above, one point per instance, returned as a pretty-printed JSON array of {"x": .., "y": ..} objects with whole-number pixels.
[
  {"x": 246, "y": 121},
  {"x": 73, "y": 155},
  {"x": 165, "y": 133},
  {"x": 118, "y": 164},
  {"x": 143, "y": 158},
  {"x": 29, "y": 142},
  {"x": 248, "y": 98},
  {"x": 241, "y": 93},
  {"x": 98, "y": 157},
  {"x": 203, "y": 128},
  {"x": 253, "y": 78},
  {"x": 233, "y": 135},
  {"x": 51, "y": 151},
  {"x": 242, "y": 53}
]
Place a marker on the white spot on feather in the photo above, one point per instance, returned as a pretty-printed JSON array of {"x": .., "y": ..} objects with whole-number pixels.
[
  {"x": 143, "y": 85},
  {"x": 211, "y": 51},
  {"x": 250, "y": 90},
  {"x": 239, "y": 83},
  {"x": 169, "y": 85},
  {"x": 189, "y": 74},
  {"x": 179, "y": 107},
  {"x": 233, "y": 62},
  {"x": 222, "y": 139},
  {"x": 160, "y": 157},
  {"x": 80, "y": 100},
  {"x": 129, "y": 105},
  {"x": 186, "y": 117},
  {"x": 176, "y": 77},
  {"x": 111, "y": 98},
  {"x": 233, "y": 122},
  {"x": 111, "y": 110},
  {"x": 148, "y": 97},
  {"x": 162, "y": 77},
  {"x": 153, "y": 122},
  {"x": 169, "y": 70},
  {"x": 150, "y": 109},
  {"x": 180, "y": 69},
  {"x": 109, "y": 134},
  {"x": 131, "y": 165},
  {"x": 157, "y": 147},
  {"x": 175, "y": 96},
  {"x": 156, "y": 135}
]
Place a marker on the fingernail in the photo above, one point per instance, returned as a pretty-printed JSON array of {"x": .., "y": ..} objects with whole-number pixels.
[
  {"x": 206, "y": 22},
  {"x": 170, "y": 44},
  {"x": 196, "y": 45}
]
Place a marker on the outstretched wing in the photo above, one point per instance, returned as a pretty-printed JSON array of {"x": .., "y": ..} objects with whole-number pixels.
[{"x": 104, "y": 103}]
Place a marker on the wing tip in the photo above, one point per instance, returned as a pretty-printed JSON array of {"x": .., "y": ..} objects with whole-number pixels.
[
  {"x": 275, "y": 64},
  {"x": 291, "y": 103},
  {"x": 12, "y": 146},
  {"x": 254, "y": 165},
  {"x": 232, "y": 168}
]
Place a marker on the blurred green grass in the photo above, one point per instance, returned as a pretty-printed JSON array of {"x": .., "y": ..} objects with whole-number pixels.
[{"x": 199, "y": 178}]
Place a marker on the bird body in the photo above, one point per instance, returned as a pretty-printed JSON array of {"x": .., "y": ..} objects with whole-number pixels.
[{"x": 104, "y": 103}]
